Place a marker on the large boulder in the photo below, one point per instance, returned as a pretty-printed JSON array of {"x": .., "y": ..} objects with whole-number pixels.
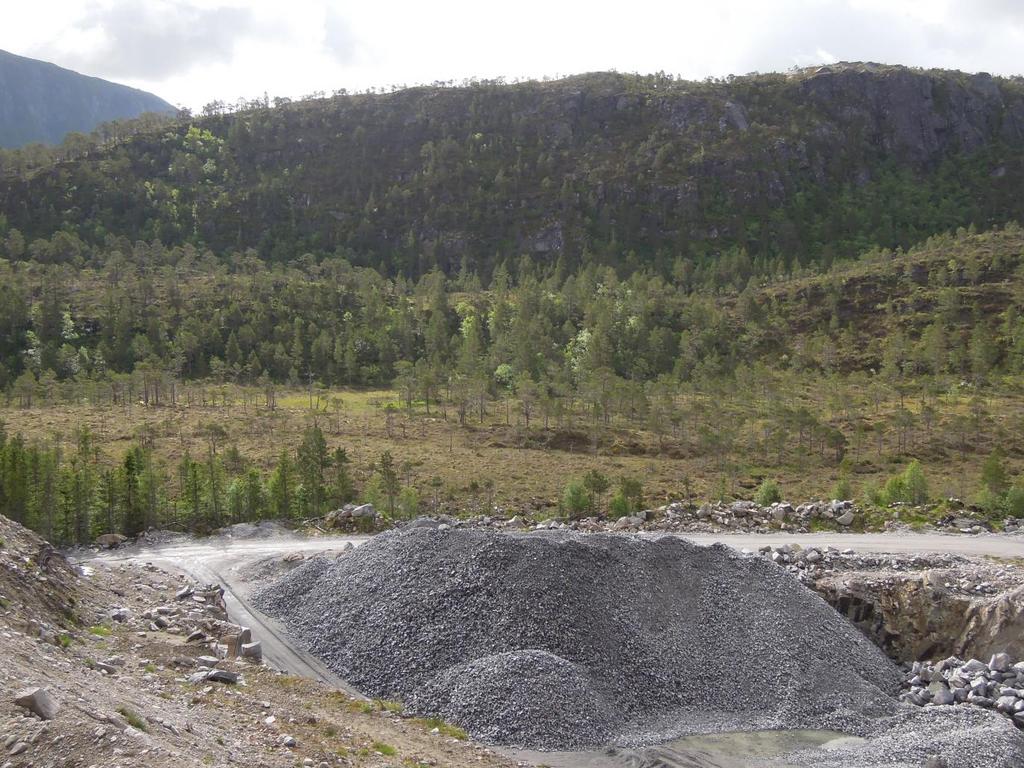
[
  {"x": 111, "y": 540},
  {"x": 38, "y": 701},
  {"x": 350, "y": 513}
]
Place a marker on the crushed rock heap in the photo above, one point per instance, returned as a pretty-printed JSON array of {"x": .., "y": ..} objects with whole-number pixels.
[{"x": 557, "y": 640}]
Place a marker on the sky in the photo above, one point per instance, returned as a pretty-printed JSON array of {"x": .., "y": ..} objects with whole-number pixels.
[{"x": 192, "y": 52}]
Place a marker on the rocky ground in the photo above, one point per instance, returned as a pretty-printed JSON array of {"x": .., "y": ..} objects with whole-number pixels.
[{"x": 122, "y": 667}]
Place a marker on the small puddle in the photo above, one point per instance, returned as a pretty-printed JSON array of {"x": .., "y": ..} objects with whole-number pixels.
[{"x": 734, "y": 749}]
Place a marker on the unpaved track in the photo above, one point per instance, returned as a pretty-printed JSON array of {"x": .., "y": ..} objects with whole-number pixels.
[{"x": 216, "y": 560}]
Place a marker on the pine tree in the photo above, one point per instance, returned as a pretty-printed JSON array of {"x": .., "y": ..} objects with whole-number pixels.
[
  {"x": 131, "y": 503},
  {"x": 342, "y": 489},
  {"x": 313, "y": 461},
  {"x": 282, "y": 488}
]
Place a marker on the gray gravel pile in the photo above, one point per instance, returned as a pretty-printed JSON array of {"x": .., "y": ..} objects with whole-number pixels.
[
  {"x": 933, "y": 737},
  {"x": 520, "y": 697},
  {"x": 634, "y": 632},
  {"x": 294, "y": 585}
]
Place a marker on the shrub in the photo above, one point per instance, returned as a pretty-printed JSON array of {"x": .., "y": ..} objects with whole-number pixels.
[
  {"x": 916, "y": 484},
  {"x": 1014, "y": 502},
  {"x": 628, "y": 499},
  {"x": 619, "y": 506},
  {"x": 633, "y": 491},
  {"x": 873, "y": 495},
  {"x": 373, "y": 492},
  {"x": 843, "y": 489},
  {"x": 408, "y": 503},
  {"x": 990, "y": 502},
  {"x": 910, "y": 486},
  {"x": 768, "y": 493},
  {"x": 993, "y": 474},
  {"x": 597, "y": 484},
  {"x": 575, "y": 499},
  {"x": 895, "y": 490}
]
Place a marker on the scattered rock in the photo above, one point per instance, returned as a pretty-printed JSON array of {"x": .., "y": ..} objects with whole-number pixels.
[{"x": 253, "y": 651}]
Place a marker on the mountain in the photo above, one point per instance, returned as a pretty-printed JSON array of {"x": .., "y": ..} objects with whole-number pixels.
[
  {"x": 41, "y": 102},
  {"x": 624, "y": 170}
]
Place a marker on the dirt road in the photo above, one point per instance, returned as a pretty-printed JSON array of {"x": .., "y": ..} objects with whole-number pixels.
[{"x": 217, "y": 561}]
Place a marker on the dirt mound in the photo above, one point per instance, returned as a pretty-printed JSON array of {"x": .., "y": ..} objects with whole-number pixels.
[
  {"x": 646, "y": 630},
  {"x": 36, "y": 581}
]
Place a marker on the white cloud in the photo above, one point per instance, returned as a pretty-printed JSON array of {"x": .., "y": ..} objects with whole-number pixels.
[
  {"x": 193, "y": 51},
  {"x": 153, "y": 40}
]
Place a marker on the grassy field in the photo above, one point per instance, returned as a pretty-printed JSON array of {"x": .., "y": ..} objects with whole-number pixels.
[{"x": 526, "y": 470}]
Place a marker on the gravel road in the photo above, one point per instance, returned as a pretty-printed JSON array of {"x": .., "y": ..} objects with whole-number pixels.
[{"x": 219, "y": 553}]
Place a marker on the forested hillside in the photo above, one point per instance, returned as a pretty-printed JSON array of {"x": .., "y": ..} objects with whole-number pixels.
[
  {"x": 812, "y": 278},
  {"x": 603, "y": 169},
  {"x": 41, "y": 102}
]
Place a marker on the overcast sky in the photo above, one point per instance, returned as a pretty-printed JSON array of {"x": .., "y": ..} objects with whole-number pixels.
[{"x": 191, "y": 52}]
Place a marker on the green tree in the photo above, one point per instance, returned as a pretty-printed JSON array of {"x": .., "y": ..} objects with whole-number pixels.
[
  {"x": 313, "y": 462},
  {"x": 131, "y": 500},
  {"x": 342, "y": 489},
  {"x": 575, "y": 499},
  {"x": 255, "y": 495},
  {"x": 390, "y": 484},
  {"x": 597, "y": 484},
  {"x": 282, "y": 488},
  {"x": 994, "y": 477}
]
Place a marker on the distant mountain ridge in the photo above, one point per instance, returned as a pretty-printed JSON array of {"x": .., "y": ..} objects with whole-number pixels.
[{"x": 41, "y": 102}]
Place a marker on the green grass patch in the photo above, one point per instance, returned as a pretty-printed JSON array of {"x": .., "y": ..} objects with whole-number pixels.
[
  {"x": 376, "y": 705},
  {"x": 821, "y": 525},
  {"x": 446, "y": 729},
  {"x": 65, "y": 640},
  {"x": 385, "y": 749},
  {"x": 133, "y": 719},
  {"x": 100, "y": 630}
]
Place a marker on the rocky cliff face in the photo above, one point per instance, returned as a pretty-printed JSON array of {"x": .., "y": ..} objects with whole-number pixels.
[{"x": 916, "y": 116}]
